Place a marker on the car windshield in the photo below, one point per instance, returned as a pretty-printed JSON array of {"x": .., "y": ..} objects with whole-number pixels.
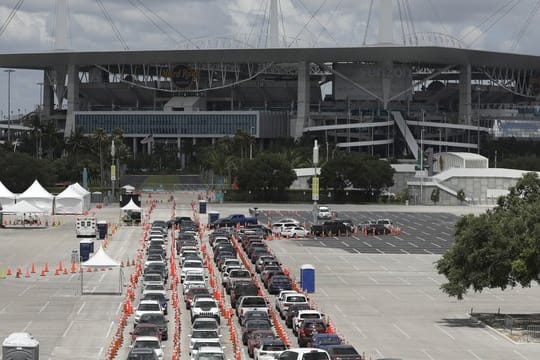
[
  {"x": 311, "y": 316},
  {"x": 319, "y": 355},
  {"x": 240, "y": 274},
  {"x": 345, "y": 351},
  {"x": 157, "y": 319},
  {"x": 156, "y": 297},
  {"x": 296, "y": 299},
  {"x": 204, "y": 334},
  {"x": 154, "y": 287},
  {"x": 151, "y": 344},
  {"x": 194, "y": 264},
  {"x": 254, "y": 302},
  {"x": 259, "y": 324},
  {"x": 273, "y": 347},
  {"x": 145, "y": 330},
  {"x": 204, "y": 325},
  {"x": 148, "y": 307},
  {"x": 205, "y": 303},
  {"x": 211, "y": 356},
  {"x": 152, "y": 277},
  {"x": 194, "y": 278}
]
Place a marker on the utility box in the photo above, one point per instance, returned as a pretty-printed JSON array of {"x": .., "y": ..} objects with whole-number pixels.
[
  {"x": 212, "y": 216},
  {"x": 20, "y": 346},
  {"x": 102, "y": 227},
  {"x": 86, "y": 248},
  {"x": 202, "y": 206},
  {"x": 307, "y": 278}
]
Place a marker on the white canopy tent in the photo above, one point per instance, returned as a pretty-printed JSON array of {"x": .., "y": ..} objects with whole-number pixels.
[
  {"x": 25, "y": 214},
  {"x": 6, "y": 196},
  {"x": 69, "y": 201},
  {"x": 101, "y": 260},
  {"x": 128, "y": 188},
  {"x": 85, "y": 193},
  {"x": 131, "y": 212},
  {"x": 38, "y": 196}
]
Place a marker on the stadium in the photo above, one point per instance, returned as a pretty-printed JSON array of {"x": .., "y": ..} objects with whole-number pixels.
[{"x": 394, "y": 100}]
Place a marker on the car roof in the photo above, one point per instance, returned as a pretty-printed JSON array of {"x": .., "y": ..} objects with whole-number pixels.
[
  {"x": 143, "y": 302},
  {"x": 147, "y": 338},
  {"x": 212, "y": 349}
]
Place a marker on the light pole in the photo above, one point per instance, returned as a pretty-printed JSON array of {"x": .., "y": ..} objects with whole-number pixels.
[
  {"x": 422, "y": 165},
  {"x": 113, "y": 167},
  {"x": 251, "y": 143},
  {"x": 315, "y": 181},
  {"x": 9, "y": 71}
]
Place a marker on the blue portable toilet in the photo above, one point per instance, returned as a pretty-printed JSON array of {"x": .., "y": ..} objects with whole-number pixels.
[
  {"x": 86, "y": 247},
  {"x": 202, "y": 206},
  {"x": 212, "y": 216},
  {"x": 307, "y": 278},
  {"x": 102, "y": 229}
]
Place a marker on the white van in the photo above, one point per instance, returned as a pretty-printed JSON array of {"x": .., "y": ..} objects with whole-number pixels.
[{"x": 86, "y": 227}]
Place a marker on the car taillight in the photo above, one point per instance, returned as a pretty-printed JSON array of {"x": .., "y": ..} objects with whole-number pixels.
[{"x": 302, "y": 332}]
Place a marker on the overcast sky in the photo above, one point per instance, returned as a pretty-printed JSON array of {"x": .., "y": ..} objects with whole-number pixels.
[{"x": 476, "y": 23}]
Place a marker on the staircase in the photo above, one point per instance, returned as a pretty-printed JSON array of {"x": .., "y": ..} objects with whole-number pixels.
[{"x": 406, "y": 132}]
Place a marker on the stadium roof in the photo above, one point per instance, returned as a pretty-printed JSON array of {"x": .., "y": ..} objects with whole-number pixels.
[{"x": 400, "y": 54}]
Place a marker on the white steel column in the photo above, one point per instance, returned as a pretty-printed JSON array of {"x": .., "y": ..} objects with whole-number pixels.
[
  {"x": 302, "y": 112},
  {"x": 465, "y": 106},
  {"x": 134, "y": 148},
  {"x": 61, "y": 29},
  {"x": 274, "y": 25},
  {"x": 73, "y": 98},
  {"x": 386, "y": 21}
]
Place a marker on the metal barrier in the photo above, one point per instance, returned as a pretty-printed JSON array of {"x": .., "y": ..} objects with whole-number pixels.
[{"x": 533, "y": 333}]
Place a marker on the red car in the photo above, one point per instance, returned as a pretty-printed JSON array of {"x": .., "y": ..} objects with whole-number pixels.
[
  {"x": 145, "y": 329},
  {"x": 190, "y": 294},
  {"x": 255, "y": 338}
]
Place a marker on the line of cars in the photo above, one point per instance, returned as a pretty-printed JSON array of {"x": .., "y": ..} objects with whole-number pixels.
[
  {"x": 253, "y": 310},
  {"x": 150, "y": 323}
]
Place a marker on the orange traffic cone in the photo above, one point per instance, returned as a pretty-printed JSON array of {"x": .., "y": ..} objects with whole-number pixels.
[
  {"x": 33, "y": 271},
  {"x": 89, "y": 269},
  {"x": 65, "y": 271},
  {"x": 46, "y": 267},
  {"x": 57, "y": 271},
  {"x": 27, "y": 275},
  {"x": 73, "y": 268},
  {"x": 43, "y": 272},
  {"x": 9, "y": 271}
]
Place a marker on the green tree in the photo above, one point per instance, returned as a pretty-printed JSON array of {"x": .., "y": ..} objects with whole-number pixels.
[
  {"x": 266, "y": 172},
  {"x": 100, "y": 137},
  {"x": 19, "y": 171},
  {"x": 497, "y": 249}
]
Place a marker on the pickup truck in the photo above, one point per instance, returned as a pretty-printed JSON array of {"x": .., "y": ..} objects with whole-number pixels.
[
  {"x": 233, "y": 220},
  {"x": 376, "y": 228},
  {"x": 335, "y": 227},
  {"x": 286, "y": 298}
]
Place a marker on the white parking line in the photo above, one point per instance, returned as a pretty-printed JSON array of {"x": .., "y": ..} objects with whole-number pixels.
[
  {"x": 440, "y": 238},
  {"x": 357, "y": 251},
  {"x": 25, "y": 291},
  {"x": 81, "y": 308},
  {"x": 404, "y": 251},
  {"x": 3, "y": 309},
  {"x": 392, "y": 245},
  {"x": 435, "y": 281},
  {"x": 359, "y": 331},
  {"x": 427, "y": 252},
  {"x": 445, "y": 332},
  {"x": 404, "y": 281},
  {"x": 44, "y": 306},
  {"x": 420, "y": 238},
  {"x": 328, "y": 268},
  {"x": 427, "y": 354},
  {"x": 119, "y": 308},
  {"x": 322, "y": 244},
  {"x": 439, "y": 246},
  {"x": 444, "y": 233},
  {"x": 401, "y": 331},
  {"x": 412, "y": 244},
  {"x": 360, "y": 296},
  {"x": 344, "y": 243},
  {"x": 110, "y": 328},
  {"x": 473, "y": 354},
  {"x": 368, "y": 244},
  {"x": 426, "y": 294},
  {"x": 102, "y": 277},
  {"x": 355, "y": 267},
  {"x": 520, "y": 355},
  {"x": 372, "y": 279},
  {"x": 338, "y": 308},
  {"x": 99, "y": 353},
  {"x": 410, "y": 227},
  {"x": 355, "y": 237},
  {"x": 489, "y": 334},
  {"x": 384, "y": 268},
  {"x": 27, "y": 326},
  {"x": 342, "y": 280},
  {"x": 67, "y": 329},
  {"x": 392, "y": 294},
  {"x": 322, "y": 291}
]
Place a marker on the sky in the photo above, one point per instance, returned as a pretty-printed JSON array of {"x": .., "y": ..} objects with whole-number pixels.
[{"x": 169, "y": 24}]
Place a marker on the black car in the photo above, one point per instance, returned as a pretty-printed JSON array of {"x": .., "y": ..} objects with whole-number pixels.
[
  {"x": 343, "y": 352},
  {"x": 242, "y": 288},
  {"x": 159, "y": 297},
  {"x": 159, "y": 320},
  {"x": 142, "y": 354}
]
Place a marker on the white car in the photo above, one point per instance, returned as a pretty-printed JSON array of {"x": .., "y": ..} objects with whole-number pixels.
[
  {"x": 297, "y": 231},
  {"x": 278, "y": 228},
  {"x": 288, "y": 299},
  {"x": 154, "y": 288},
  {"x": 324, "y": 212},
  {"x": 193, "y": 278},
  {"x": 193, "y": 266},
  {"x": 288, "y": 220},
  {"x": 303, "y": 315},
  {"x": 304, "y": 354},
  {"x": 149, "y": 342},
  {"x": 205, "y": 307},
  {"x": 203, "y": 335},
  {"x": 147, "y": 307},
  {"x": 230, "y": 262},
  {"x": 268, "y": 349},
  {"x": 200, "y": 344},
  {"x": 153, "y": 279},
  {"x": 209, "y": 353},
  {"x": 386, "y": 222}
]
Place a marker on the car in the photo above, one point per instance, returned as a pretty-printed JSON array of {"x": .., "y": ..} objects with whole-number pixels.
[
  {"x": 209, "y": 353},
  {"x": 304, "y": 354},
  {"x": 324, "y": 212},
  {"x": 322, "y": 341},
  {"x": 243, "y": 288},
  {"x": 235, "y": 275},
  {"x": 205, "y": 324},
  {"x": 194, "y": 266},
  {"x": 156, "y": 319},
  {"x": 267, "y": 347},
  {"x": 142, "y": 354},
  {"x": 295, "y": 232},
  {"x": 145, "y": 329},
  {"x": 253, "y": 315},
  {"x": 152, "y": 279},
  {"x": 292, "y": 311},
  {"x": 154, "y": 288},
  {"x": 308, "y": 328},
  {"x": 283, "y": 304},
  {"x": 256, "y": 337},
  {"x": 303, "y": 315},
  {"x": 205, "y": 307},
  {"x": 189, "y": 295},
  {"x": 160, "y": 298},
  {"x": 201, "y": 344},
  {"x": 343, "y": 352},
  {"x": 277, "y": 228},
  {"x": 231, "y": 262},
  {"x": 252, "y": 325},
  {"x": 288, "y": 220},
  {"x": 278, "y": 283},
  {"x": 149, "y": 342},
  {"x": 203, "y": 335},
  {"x": 146, "y": 307},
  {"x": 193, "y": 278},
  {"x": 251, "y": 303},
  {"x": 386, "y": 222}
]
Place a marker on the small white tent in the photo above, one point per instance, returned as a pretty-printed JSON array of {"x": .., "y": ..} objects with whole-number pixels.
[
  {"x": 85, "y": 193},
  {"x": 25, "y": 214},
  {"x": 22, "y": 207},
  {"x": 69, "y": 201},
  {"x": 6, "y": 196},
  {"x": 101, "y": 261},
  {"x": 131, "y": 213},
  {"x": 38, "y": 196}
]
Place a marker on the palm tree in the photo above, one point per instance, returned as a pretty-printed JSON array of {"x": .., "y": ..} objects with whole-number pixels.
[
  {"x": 100, "y": 136},
  {"x": 220, "y": 163}
]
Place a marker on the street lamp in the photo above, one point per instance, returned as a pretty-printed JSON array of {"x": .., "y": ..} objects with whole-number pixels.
[
  {"x": 113, "y": 167},
  {"x": 315, "y": 180},
  {"x": 251, "y": 143},
  {"x": 9, "y": 71},
  {"x": 422, "y": 165}
]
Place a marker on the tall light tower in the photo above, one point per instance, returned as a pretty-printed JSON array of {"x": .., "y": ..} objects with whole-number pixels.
[
  {"x": 9, "y": 71},
  {"x": 274, "y": 25},
  {"x": 386, "y": 21},
  {"x": 315, "y": 180}
]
